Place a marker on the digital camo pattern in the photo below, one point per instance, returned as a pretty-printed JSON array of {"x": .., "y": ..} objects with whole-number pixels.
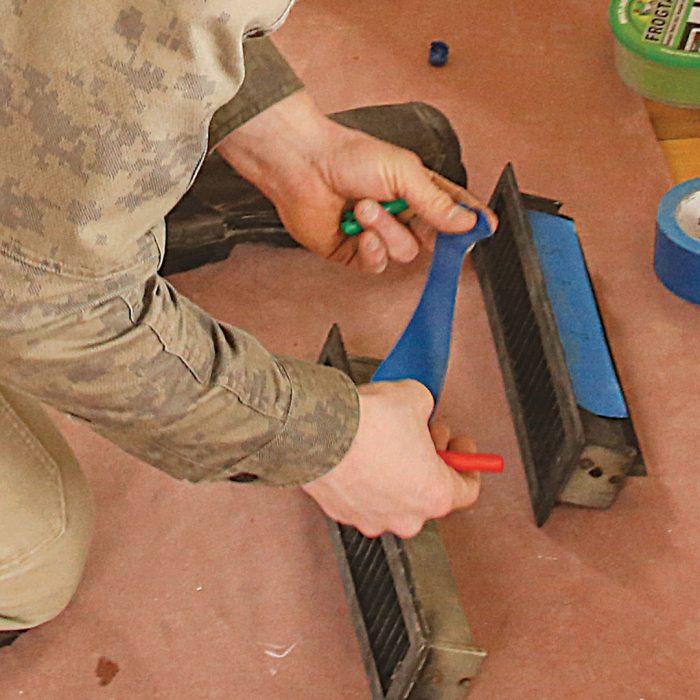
[
  {"x": 102, "y": 114},
  {"x": 104, "y": 108}
]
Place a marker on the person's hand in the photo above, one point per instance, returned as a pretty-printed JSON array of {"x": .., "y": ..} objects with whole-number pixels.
[
  {"x": 391, "y": 479},
  {"x": 313, "y": 169}
]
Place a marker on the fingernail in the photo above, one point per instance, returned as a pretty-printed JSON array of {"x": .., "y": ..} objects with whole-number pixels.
[
  {"x": 373, "y": 244},
  {"x": 369, "y": 211},
  {"x": 461, "y": 216}
]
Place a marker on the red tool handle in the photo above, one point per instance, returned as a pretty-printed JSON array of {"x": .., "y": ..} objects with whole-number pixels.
[{"x": 472, "y": 462}]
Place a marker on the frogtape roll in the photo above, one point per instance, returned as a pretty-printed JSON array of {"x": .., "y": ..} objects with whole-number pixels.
[
  {"x": 657, "y": 48},
  {"x": 677, "y": 252}
]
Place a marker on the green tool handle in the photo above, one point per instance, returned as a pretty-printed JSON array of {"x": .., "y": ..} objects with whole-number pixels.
[{"x": 352, "y": 227}]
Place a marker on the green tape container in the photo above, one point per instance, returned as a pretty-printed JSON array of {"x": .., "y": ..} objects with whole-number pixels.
[{"x": 657, "y": 48}]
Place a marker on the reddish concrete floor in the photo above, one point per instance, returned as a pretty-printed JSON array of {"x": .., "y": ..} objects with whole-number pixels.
[{"x": 193, "y": 592}]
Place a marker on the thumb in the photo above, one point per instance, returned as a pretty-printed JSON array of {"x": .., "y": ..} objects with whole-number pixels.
[
  {"x": 418, "y": 395},
  {"x": 432, "y": 203}
]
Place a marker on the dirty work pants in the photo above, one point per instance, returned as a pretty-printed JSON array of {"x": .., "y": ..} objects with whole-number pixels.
[{"x": 46, "y": 510}]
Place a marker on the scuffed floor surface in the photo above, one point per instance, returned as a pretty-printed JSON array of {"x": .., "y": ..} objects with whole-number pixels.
[{"x": 228, "y": 592}]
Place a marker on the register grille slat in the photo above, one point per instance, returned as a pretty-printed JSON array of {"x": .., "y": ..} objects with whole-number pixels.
[{"x": 383, "y": 619}]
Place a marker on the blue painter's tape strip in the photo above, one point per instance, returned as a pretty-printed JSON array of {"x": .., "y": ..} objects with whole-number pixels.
[
  {"x": 677, "y": 254},
  {"x": 588, "y": 358}
]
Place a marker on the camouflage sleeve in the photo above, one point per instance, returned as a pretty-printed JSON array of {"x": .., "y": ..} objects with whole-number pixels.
[
  {"x": 156, "y": 375},
  {"x": 269, "y": 79},
  {"x": 102, "y": 132}
]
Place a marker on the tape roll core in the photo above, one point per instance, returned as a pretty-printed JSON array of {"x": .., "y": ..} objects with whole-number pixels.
[
  {"x": 677, "y": 249},
  {"x": 688, "y": 215}
]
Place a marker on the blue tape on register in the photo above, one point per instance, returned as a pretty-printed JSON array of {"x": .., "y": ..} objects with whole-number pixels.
[{"x": 593, "y": 375}]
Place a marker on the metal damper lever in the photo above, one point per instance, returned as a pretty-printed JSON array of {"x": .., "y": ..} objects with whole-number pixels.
[{"x": 423, "y": 350}]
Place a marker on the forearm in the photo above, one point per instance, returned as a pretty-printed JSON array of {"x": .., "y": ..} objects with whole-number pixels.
[
  {"x": 268, "y": 79},
  {"x": 275, "y": 146}
]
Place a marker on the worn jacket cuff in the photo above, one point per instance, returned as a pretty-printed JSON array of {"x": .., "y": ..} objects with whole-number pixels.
[
  {"x": 269, "y": 79},
  {"x": 320, "y": 426}
]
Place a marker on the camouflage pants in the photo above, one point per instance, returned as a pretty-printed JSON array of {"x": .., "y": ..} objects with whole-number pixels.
[{"x": 46, "y": 510}]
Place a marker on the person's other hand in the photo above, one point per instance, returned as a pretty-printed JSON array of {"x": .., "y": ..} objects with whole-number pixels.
[
  {"x": 391, "y": 479},
  {"x": 314, "y": 169}
]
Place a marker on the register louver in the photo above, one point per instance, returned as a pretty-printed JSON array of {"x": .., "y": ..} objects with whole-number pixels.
[
  {"x": 415, "y": 640},
  {"x": 570, "y": 454}
]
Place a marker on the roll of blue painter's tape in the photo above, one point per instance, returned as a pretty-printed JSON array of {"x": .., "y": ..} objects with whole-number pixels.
[{"x": 677, "y": 250}]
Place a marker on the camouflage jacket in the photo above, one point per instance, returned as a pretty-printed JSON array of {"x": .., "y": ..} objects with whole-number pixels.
[{"x": 105, "y": 109}]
